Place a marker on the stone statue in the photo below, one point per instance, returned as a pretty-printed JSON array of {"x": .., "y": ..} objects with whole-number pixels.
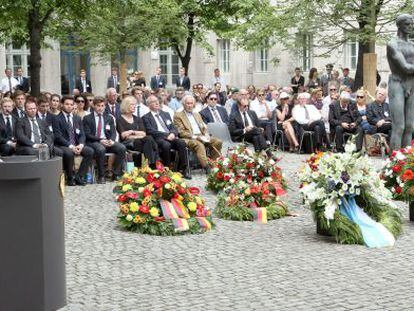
[{"x": 400, "y": 55}]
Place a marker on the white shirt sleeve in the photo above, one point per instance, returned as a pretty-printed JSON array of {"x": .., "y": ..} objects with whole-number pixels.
[{"x": 298, "y": 113}]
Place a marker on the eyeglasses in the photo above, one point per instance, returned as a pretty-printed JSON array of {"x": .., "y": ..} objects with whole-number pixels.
[
  {"x": 213, "y": 98},
  {"x": 358, "y": 96},
  {"x": 260, "y": 94},
  {"x": 332, "y": 89}
]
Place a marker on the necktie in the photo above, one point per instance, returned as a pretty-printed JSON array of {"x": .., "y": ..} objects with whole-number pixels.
[
  {"x": 72, "y": 138},
  {"x": 99, "y": 130},
  {"x": 164, "y": 126},
  {"x": 245, "y": 120},
  {"x": 20, "y": 80},
  {"x": 10, "y": 85},
  {"x": 306, "y": 113},
  {"x": 113, "y": 110},
  {"x": 9, "y": 128},
  {"x": 138, "y": 107},
  {"x": 36, "y": 133},
  {"x": 43, "y": 116},
  {"x": 216, "y": 115}
]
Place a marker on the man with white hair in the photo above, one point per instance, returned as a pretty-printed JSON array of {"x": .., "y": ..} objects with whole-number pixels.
[
  {"x": 192, "y": 129},
  {"x": 112, "y": 106},
  {"x": 344, "y": 118},
  {"x": 310, "y": 119}
]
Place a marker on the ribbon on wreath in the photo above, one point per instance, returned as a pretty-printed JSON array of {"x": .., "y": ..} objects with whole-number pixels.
[
  {"x": 204, "y": 223},
  {"x": 168, "y": 210},
  {"x": 260, "y": 214},
  {"x": 180, "y": 209}
]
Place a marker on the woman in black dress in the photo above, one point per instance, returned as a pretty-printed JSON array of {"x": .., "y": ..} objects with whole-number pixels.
[
  {"x": 286, "y": 122},
  {"x": 132, "y": 134}
]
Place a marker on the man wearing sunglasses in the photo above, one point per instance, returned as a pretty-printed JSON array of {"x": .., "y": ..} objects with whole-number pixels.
[
  {"x": 243, "y": 125},
  {"x": 213, "y": 112}
]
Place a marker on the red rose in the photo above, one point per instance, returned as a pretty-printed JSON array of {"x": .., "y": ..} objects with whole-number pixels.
[
  {"x": 396, "y": 168},
  {"x": 393, "y": 154},
  {"x": 150, "y": 177},
  {"x": 122, "y": 198},
  {"x": 226, "y": 177},
  {"x": 131, "y": 195},
  {"x": 407, "y": 175},
  {"x": 146, "y": 193},
  {"x": 144, "y": 209},
  {"x": 266, "y": 191},
  {"x": 157, "y": 184},
  {"x": 219, "y": 175},
  {"x": 165, "y": 179},
  {"x": 398, "y": 189},
  {"x": 162, "y": 218},
  {"x": 261, "y": 174},
  {"x": 181, "y": 190},
  {"x": 194, "y": 190}
]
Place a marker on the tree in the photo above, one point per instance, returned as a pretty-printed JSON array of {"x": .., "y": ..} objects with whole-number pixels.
[
  {"x": 31, "y": 21},
  {"x": 114, "y": 27},
  {"x": 195, "y": 19},
  {"x": 331, "y": 23}
]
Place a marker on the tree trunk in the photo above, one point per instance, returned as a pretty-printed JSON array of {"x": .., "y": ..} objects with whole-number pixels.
[
  {"x": 359, "y": 75},
  {"x": 35, "y": 59},
  {"x": 186, "y": 58},
  {"x": 123, "y": 71}
]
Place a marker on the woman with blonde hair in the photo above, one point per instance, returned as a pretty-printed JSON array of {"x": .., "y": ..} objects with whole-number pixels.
[
  {"x": 132, "y": 132},
  {"x": 361, "y": 104}
]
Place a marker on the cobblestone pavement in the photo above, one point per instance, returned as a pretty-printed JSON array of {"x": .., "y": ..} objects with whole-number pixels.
[{"x": 283, "y": 265}]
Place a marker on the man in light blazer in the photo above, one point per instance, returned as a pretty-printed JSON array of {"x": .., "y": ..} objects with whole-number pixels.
[{"x": 192, "y": 129}]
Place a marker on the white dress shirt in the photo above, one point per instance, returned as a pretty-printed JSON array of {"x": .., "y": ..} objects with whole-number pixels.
[
  {"x": 167, "y": 109},
  {"x": 299, "y": 114},
  {"x": 5, "y": 87},
  {"x": 260, "y": 109},
  {"x": 222, "y": 82},
  {"x": 159, "y": 126},
  {"x": 143, "y": 110},
  {"x": 248, "y": 118},
  {"x": 194, "y": 125}
]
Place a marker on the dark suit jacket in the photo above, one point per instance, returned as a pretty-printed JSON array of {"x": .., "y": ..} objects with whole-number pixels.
[
  {"x": 15, "y": 113},
  {"x": 49, "y": 118},
  {"x": 161, "y": 83},
  {"x": 151, "y": 125},
  {"x": 236, "y": 124},
  {"x": 110, "y": 83},
  {"x": 24, "y": 86},
  {"x": 208, "y": 116},
  {"x": 61, "y": 130},
  {"x": 221, "y": 98},
  {"x": 335, "y": 114},
  {"x": 24, "y": 133},
  {"x": 79, "y": 85},
  {"x": 377, "y": 112},
  {"x": 117, "y": 110},
  {"x": 3, "y": 131},
  {"x": 186, "y": 83},
  {"x": 89, "y": 125}
]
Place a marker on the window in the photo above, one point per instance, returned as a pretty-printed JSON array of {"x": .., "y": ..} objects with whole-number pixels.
[
  {"x": 170, "y": 64},
  {"x": 16, "y": 57},
  {"x": 351, "y": 53},
  {"x": 262, "y": 60},
  {"x": 304, "y": 45},
  {"x": 224, "y": 55}
]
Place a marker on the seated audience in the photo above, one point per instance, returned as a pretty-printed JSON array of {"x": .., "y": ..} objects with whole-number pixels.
[
  {"x": 244, "y": 125},
  {"x": 286, "y": 122},
  {"x": 7, "y": 128},
  {"x": 132, "y": 132},
  {"x": 310, "y": 119},
  {"x": 55, "y": 104},
  {"x": 31, "y": 132},
  {"x": 160, "y": 126},
  {"x": 213, "y": 112},
  {"x": 112, "y": 106},
  {"x": 100, "y": 135},
  {"x": 264, "y": 112},
  {"x": 378, "y": 113},
  {"x": 43, "y": 111},
  {"x": 221, "y": 95},
  {"x": 82, "y": 106},
  {"x": 362, "y": 110},
  {"x": 19, "y": 100},
  {"x": 140, "y": 108},
  {"x": 192, "y": 129},
  {"x": 70, "y": 138},
  {"x": 176, "y": 102},
  {"x": 344, "y": 118}
]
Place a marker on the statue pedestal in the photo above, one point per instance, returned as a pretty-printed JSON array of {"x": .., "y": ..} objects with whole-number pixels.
[{"x": 32, "y": 245}]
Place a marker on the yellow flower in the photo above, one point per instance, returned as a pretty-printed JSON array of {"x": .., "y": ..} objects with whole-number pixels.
[
  {"x": 133, "y": 207},
  {"x": 247, "y": 191},
  {"x": 140, "y": 180},
  {"x": 199, "y": 201},
  {"x": 126, "y": 187},
  {"x": 140, "y": 189},
  {"x": 154, "y": 212},
  {"x": 192, "y": 206},
  {"x": 167, "y": 186},
  {"x": 137, "y": 219},
  {"x": 129, "y": 217},
  {"x": 146, "y": 201},
  {"x": 176, "y": 177}
]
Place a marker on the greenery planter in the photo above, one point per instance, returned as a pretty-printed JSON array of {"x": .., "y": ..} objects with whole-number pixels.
[{"x": 321, "y": 230}]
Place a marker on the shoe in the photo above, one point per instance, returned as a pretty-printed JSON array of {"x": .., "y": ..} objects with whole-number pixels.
[
  {"x": 71, "y": 182},
  {"x": 80, "y": 181},
  {"x": 116, "y": 177},
  {"x": 186, "y": 175},
  {"x": 101, "y": 180}
]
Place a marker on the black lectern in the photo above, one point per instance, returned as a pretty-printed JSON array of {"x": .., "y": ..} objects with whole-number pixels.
[{"x": 32, "y": 248}]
